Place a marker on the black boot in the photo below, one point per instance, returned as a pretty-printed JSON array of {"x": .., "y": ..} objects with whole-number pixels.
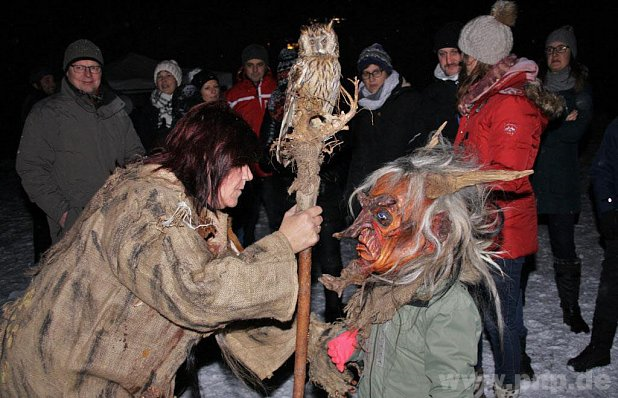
[
  {"x": 568, "y": 275},
  {"x": 604, "y": 323},
  {"x": 525, "y": 365},
  {"x": 591, "y": 357}
]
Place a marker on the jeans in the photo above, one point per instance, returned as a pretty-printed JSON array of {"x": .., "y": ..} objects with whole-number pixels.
[{"x": 506, "y": 355}]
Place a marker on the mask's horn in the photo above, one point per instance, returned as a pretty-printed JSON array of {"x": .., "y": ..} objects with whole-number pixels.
[
  {"x": 435, "y": 138},
  {"x": 437, "y": 185}
]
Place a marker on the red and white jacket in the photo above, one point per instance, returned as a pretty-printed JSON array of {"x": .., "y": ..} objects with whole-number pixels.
[
  {"x": 250, "y": 102},
  {"x": 502, "y": 128}
]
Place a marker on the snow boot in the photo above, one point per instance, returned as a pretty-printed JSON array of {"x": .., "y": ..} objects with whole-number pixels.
[
  {"x": 505, "y": 392},
  {"x": 525, "y": 364},
  {"x": 568, "y": 275}
]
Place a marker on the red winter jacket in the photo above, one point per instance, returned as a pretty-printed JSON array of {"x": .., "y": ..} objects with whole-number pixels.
[
  {"x": 503, "y": 129},
  {"x": 250, "y": 102}
]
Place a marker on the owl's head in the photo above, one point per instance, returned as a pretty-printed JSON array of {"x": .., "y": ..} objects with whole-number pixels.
[{"x": 318, "y": 39}]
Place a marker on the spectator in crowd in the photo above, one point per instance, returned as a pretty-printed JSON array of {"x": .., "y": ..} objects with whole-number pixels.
[
  {"x": 73, "y": 141},
  {"x": 156, "y": 118},
  {"x": 503, "y": 113},
  {"x": 386, "y": 127},
  {"x": 604, "y": 174},
  {"x": 150, "y": 269},
  {"x": 249, "y": 97},
  {"x": 203, "y": 86},
  {"x": 557, "y": 166},
  {"x": 42, "y": 84},
  {"x": 440, "y": 96}
]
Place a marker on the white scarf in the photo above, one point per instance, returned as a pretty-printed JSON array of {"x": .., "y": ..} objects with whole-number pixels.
[
  {"x": 163, "y": 102},
  {"x": 376, "y": 100},
  {"x": 439, "y": 74}
]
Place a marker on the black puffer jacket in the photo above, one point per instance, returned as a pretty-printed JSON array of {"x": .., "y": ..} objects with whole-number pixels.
[{"x": 439, "y": 105}]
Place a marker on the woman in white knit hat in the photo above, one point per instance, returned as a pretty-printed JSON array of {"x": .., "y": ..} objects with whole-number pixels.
[
  {"x": 156, "y": 119},
  {"x": 501, "y": 124}
]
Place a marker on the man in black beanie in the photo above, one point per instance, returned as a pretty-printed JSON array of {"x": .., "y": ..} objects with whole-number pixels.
[
  {"x": 73, "y": 140},
  {"x": 439, "y": 97}
]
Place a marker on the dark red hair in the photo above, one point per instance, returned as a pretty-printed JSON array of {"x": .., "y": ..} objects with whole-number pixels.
[{"x": 208, "y": 142}]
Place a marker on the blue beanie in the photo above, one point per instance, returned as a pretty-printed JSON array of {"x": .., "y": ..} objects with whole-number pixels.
[{"x": 374, "y": 54}]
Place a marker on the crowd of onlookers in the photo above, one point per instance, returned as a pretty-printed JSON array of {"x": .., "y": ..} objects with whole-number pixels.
[{"x": 506, "y": 111}]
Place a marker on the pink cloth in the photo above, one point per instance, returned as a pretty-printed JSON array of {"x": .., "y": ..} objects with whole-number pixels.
[{"x": 341, "y": 348}]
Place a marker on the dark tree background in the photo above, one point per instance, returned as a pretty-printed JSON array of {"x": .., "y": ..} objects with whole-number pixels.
[{"x": 213, "y": 33}]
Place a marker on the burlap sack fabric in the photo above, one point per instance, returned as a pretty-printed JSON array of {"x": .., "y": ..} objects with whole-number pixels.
[{"x": 118, "y": 302}]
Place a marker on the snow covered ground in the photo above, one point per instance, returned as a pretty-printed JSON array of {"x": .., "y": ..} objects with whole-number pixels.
[{"x": 550, "y": 343}]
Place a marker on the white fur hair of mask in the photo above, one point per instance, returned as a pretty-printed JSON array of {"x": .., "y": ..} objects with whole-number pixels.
[{"x": 465, "y": 253}]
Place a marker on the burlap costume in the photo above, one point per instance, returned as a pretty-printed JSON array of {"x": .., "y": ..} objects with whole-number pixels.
[{"x": 120, "y": 300}]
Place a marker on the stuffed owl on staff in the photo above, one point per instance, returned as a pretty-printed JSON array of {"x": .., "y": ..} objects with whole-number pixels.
[
  {"x": 314, "y": 80},
  {"x": 307, "y": 127}
]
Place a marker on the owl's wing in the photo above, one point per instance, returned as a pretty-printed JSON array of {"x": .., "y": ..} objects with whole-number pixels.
[
  {"x": 296, "y": 78},
  {"x": 331, "y": 84}
]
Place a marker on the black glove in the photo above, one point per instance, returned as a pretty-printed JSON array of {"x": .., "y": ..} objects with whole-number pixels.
[{"x": 608, "y": 224}]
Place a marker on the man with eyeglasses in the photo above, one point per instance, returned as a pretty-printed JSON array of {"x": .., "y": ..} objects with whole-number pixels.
[
  {"x": 387, "y": 128},
  {"x": 440, "y": 95},
  {"x": 72, "y": 141}
]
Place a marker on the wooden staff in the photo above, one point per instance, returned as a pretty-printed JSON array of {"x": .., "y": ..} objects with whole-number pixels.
[{"x": 305, "y": 146}]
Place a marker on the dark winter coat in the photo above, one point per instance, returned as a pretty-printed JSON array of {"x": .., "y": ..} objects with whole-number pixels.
[
  {"x": 556, "y": 171},
  {"x": 503, "y": 129},
  {"x": 69, "y": 148},
  {"x": 440, "y": 105},
  {"x": 32, "y": 98},
  {"x": 604, "y": 171},
  {"x": 147, "y": 125},
  {"x": 385, "y": 134}
]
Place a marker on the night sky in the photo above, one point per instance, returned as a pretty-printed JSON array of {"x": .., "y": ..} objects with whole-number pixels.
[{"x": 212, "y": 34}]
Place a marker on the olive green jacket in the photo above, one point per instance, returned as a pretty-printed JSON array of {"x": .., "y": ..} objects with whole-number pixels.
[{"x": 426, "y": 349}]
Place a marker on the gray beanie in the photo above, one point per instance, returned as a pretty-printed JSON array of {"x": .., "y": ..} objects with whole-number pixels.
[
  {"x": 170, "y": 66},
  {"x": 566, "y": 35},
  {"x": 81, "y": 49},
  {"x": 254, "y": 51},
  {"x": 488, "y": 38},
  {"x": 374, "y": 54}
]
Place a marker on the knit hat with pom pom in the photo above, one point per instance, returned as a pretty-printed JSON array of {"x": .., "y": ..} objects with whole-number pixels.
[{"x": 488, "y": 38}]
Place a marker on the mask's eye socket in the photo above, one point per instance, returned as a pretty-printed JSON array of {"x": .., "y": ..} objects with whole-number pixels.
[{"x": 383, "y": 217}]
